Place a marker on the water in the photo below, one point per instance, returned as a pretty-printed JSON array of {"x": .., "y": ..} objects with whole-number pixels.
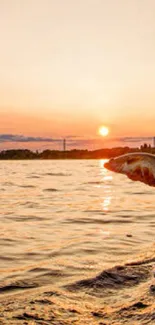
[{"x": 62, "y": 221}]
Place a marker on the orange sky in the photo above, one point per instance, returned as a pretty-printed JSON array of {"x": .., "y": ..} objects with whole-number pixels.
[{"x": 68, "y": 66}]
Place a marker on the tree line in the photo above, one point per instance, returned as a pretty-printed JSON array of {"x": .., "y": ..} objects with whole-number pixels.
[{"x": 72, "y": 154}]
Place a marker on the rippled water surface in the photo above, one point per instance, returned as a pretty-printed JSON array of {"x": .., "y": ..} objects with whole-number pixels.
[{"x": 67, "y": 220}]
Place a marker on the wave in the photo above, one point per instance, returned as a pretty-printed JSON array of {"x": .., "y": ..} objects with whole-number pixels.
[
  {"x": 51, "y": 190},
  {"x": 17, "y": 286},
  {"x": 58, "y": 174},
  {"x": 27, "y": 186},
  {"x": 123, "y": 220},
  {"x": 33, "y": 176},
  {"x": 117, "y": 277},
  {"x": 121, "y": 279},
  {"x": 123, "y": 294}
]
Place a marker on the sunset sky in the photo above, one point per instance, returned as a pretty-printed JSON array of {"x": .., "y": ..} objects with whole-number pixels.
[{"x": 70, "y": 66}]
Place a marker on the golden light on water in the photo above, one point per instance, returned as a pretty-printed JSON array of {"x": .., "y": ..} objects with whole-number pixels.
[
  {"x": 106, "y": 180},
  {"x": 103, "y": 130}
]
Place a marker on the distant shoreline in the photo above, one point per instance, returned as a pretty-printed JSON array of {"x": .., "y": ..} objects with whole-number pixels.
[{"x": 106, "y": 153}]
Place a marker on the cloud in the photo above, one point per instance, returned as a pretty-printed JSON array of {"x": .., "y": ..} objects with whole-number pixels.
[
  {"x": 135, "y": 139},
  {"x": 22, "y": 138},
  {"x": 74, "y": 137},
  {"x": 72, "y": 142}
]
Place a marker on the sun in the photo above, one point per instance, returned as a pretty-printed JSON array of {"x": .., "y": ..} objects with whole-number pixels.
[{"x": 103, "y": 130}]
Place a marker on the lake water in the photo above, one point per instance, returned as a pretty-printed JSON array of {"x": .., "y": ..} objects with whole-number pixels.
[{"x": 63, "y": 221}]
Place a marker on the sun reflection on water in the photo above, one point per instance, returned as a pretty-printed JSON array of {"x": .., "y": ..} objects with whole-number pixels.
[
  {"x": 107, "y": 180},
  {"x": 102, "y": 162},
  {"x": 106, "y": 203}
]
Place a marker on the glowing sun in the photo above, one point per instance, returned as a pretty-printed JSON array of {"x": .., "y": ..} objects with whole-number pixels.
[{"x": 103, "y": 130}]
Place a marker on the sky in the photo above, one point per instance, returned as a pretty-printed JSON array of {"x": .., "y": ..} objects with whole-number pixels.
[{"x": 69, "y": 66}]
